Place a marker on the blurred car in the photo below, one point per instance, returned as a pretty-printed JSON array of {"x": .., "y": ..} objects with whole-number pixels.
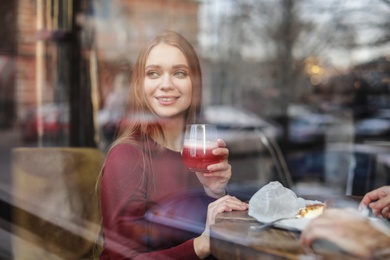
[
  {"x": 108, "y": 120},
  {"x": 309, "y": 128},
  {"x": 312, "y": 127},
  {"x": 241, "y": 129},
  {"x": 373, "y": 127},
  {"x": 378, "y": 125},
  {"x": 55, "y": 123}
]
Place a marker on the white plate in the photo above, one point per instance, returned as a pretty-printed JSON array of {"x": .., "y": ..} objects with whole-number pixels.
[
  {"x": 299, "y": 224},
  {"x": 293, "y": 224},
  {"x": 296, "y": 224}
]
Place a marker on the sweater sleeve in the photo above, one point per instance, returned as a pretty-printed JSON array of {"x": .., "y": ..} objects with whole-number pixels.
[{"x": 124, "y": 202}]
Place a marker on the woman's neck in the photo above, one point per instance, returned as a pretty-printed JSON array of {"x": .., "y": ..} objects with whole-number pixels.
[{"x": 173, "y": 133}]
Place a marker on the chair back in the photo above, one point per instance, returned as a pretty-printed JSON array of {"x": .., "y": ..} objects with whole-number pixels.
[{"x": 55, "y": 208}]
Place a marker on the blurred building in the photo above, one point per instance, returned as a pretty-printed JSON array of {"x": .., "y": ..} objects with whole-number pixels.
[
  {"x": 7, "y": 62},
  {"x": 44, "y": 37},
  {"x": 121, "y": 28}
]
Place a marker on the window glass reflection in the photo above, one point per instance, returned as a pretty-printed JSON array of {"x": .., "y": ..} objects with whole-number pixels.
[{"x": 299, "y": 90}]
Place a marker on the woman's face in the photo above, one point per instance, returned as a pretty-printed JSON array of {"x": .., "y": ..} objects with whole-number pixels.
[{"x": 167, "y": 84}]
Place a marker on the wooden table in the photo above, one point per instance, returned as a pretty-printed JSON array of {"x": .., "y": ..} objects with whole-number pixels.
[{"x": 233, "y": 238}]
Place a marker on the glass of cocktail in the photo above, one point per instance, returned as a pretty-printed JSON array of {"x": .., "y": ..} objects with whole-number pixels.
[{"x": 199, "y": 142}]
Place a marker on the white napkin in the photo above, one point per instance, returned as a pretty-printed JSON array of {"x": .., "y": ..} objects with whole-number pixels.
[{"x": 274, "y": 201}]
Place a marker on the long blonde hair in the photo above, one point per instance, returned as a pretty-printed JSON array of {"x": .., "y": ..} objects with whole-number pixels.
[{"x": 139, "y": 118}]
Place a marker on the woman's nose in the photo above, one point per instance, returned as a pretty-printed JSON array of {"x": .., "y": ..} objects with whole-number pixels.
[{"x": 166, "y": 82}]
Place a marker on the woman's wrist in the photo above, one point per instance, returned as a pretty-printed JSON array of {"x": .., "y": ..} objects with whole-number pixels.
[
  {"x": 215, "y": 194},
  {"x": 202, "y": 246}
]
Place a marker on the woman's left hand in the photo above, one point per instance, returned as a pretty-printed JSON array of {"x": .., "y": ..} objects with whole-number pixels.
[
  {"x": 224, "y": 204},
  {"x": 215, "y": 181}
]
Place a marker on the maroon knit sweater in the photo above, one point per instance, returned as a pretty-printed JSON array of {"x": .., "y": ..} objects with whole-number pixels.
[{"x": 133, "y": 185}]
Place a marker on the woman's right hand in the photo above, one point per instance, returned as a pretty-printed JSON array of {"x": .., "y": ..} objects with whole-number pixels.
[
  {"x": 215, "y": 181},
  {"x": 226, "y": 203},
  {"x": 378, "y": 200}
]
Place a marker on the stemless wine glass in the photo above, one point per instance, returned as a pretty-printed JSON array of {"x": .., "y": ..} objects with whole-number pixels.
[{"x": 199, "y": 142}]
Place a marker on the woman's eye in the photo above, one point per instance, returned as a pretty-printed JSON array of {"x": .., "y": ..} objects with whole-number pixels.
[
  {"x": 181, "y": 74},
  {"x": 152, "y": 74}
]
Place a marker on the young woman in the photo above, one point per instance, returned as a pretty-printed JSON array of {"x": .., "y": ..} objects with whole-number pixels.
[{"x": 144, "y": 167}]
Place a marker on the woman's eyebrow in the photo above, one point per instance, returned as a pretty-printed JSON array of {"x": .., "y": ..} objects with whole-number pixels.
[
  {"x": 180, "y": 66},
  {"x": 152, "y": 66}
]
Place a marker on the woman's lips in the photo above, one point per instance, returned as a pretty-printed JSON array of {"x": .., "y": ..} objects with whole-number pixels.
[{"x": 166, "y": 100}]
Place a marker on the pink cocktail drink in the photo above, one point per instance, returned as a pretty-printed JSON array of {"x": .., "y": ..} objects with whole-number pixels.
[{"x": 197, "y": 155}]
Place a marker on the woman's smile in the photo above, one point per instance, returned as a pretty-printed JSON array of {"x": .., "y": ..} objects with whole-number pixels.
[{"x": 167, "y": 100}]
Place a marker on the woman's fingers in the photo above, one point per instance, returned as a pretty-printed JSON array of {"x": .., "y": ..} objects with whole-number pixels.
[
  {"x": 218, "y": 167},
  {"x": 226, "y": 203},
  {"x": 229, "y": 202},
  {"x": 221, "y": 143},
  {"x": 223, "y": 152}
]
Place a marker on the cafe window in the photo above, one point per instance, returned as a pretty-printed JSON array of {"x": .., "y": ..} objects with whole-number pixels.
[{"x": 299, "y": 91}]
